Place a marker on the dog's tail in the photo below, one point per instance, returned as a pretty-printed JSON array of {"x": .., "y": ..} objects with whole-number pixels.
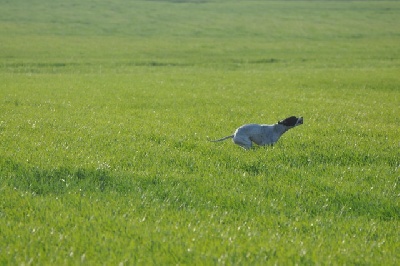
[{"x": 224, "y": 138}]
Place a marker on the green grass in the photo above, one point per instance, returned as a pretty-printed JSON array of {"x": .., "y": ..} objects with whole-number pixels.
[{"x": 106, "y": 108}]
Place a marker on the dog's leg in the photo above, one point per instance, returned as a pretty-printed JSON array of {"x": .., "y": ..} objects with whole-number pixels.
[{"x": 242, "y": 141}]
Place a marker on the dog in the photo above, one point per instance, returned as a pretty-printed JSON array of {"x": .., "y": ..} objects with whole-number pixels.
[{"x": 262, "y": 135}]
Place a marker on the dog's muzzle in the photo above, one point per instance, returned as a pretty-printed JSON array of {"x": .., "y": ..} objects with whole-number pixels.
[{"x": 300, "y": 121}]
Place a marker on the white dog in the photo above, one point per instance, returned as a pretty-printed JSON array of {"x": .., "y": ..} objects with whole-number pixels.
[{"x": 262, "y": 134}]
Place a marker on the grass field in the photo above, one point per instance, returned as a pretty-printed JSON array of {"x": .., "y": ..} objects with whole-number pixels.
[{"x": 106, "y": 108}]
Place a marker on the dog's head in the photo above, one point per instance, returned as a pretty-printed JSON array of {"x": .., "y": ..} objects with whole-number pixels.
[{"x": 291, "y": 121}]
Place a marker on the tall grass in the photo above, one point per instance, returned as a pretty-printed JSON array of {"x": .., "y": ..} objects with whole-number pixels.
[{"x": 106, "y": 108}]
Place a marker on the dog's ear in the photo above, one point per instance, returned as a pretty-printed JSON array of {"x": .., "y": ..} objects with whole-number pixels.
[{"x": 290, "y": 121}]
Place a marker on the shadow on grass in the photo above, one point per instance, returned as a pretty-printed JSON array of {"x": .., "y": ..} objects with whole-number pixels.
[{"x": 58, "y": 180}]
